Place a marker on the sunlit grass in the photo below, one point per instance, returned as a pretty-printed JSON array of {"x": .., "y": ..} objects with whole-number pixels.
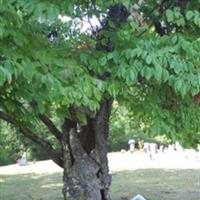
[{"x": 154, "y": 184}]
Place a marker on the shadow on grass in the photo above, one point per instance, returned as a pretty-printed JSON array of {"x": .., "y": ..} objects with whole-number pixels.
[
  {"x": 154, "y": 184},
  {"x": 31, "y": 187}
]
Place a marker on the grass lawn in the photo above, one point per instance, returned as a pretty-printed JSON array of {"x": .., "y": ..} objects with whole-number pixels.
[{"x": 154, "y": 184}]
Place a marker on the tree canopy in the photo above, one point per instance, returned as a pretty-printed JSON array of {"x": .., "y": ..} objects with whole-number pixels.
[
  {"x": 63, "y": 63},
  {"x": 154, "y": 65}
]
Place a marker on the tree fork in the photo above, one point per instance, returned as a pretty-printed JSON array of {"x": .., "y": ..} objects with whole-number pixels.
[{"x": 86, "y": 173}]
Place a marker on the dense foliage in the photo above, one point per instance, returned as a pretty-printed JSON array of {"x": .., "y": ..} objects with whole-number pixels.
[
  {"x": 9, "y": 145},
  {"x": 68, "y": 60},
  {"x": 124, "y": 126},
  {"x": 160, "y": 72}
]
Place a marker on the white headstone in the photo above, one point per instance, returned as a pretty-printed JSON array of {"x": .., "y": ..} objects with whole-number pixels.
[
  {"x": 161, "y": 148},
  {"x": 138, "y": 197},
  {"x": 23, "y": 160},
  {"x": 146, "y": 147},
  {"x": 132, "y": 145},
  {"x": 131, "y": 141},
  {"x": 153, "y": 147},
  {"x": 178, "y": 147},
  {"x": 198, "y": 147}
]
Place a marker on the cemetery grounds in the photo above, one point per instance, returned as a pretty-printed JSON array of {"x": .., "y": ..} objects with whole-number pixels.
[{"x": 163, "y": 176}]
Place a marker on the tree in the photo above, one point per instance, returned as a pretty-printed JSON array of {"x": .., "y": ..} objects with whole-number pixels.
[
  {"x": 10, "y": 145},
  {"x": 53, "y": 68}
]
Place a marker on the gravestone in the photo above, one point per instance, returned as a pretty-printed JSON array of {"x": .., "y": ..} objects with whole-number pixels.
[
  {"x": 153, "y": 148},
  {"x": 132, "y": 145},
  {"x": 23, "y": 160},
  {"x": 198, "y": 152},
  {"x": 146, "y": 147},
  {"x": 178, "y": 147},
  {"x": 138, "y": 197},
  {"x": 161, "y": 148}
]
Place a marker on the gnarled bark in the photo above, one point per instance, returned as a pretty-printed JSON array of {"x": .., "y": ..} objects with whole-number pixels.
[{"x": 86, "y": 173}]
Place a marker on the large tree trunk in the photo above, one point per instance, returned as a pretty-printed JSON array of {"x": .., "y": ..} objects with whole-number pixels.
[{"x": 86, "y": 173}]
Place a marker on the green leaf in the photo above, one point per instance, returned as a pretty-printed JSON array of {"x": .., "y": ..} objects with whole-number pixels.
[
  {"x": 110, "y": 56},
  {"x": 170, "y": 15},
  {"x": 165, "y": 75},
  {"x": 83, "y": 58},
  {"x": 178, "y": 85},
  {"x": 41, "y": 107},
  {"x": 28, "y": 70},
  {"x": 82, "y": 118},
  {"x": 2, "y": 76},
  {"x": 158, "y": 72},
  {"x": 52, "y": 12},
  {"x": 103, "y": 61},
  {"x": 197, "y": 20},
  {"x": 174, "y": 39},
  {"x": 189, "y": 15},
  {"x": 131, "y": 75},
  {"x": 183, "y": 90},
  {"x": 148, "y": 73},
  {"x": 149, "y": 59}
]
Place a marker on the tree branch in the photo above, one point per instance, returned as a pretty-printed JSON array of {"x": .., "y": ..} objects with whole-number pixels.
[
  {"x": 56, "y": 157},
  {"x": 6, "y": 118},
  {"x": 159, "y": 6},
  {"x": 51, "y": 126},
  {"x": 84, "y": 110},
  {"x": 96, "y": 12},
  {"x": 47, "y": 122}
]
